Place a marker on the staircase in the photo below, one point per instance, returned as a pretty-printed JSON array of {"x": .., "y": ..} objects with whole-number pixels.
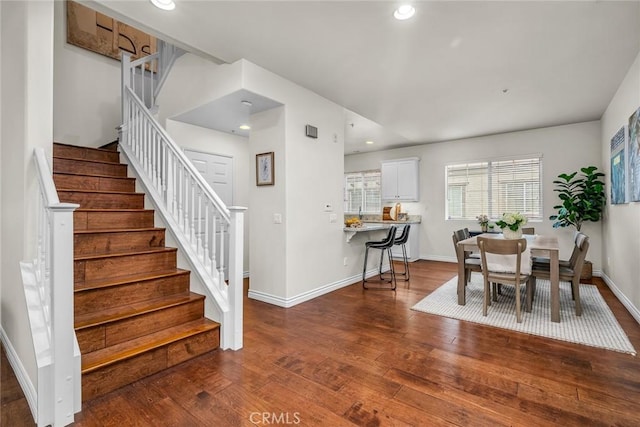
[{"x": 134, "y": 313}]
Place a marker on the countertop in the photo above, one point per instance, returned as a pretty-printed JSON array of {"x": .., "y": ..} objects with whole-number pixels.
[
  {"x": 377, "y": 219},
  {"x": 380, "y": 221}
]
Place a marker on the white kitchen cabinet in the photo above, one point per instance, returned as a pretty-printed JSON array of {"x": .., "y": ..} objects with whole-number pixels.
[
  {"x": 413, "y": 244},
  {"x": 400, "y": 180}
]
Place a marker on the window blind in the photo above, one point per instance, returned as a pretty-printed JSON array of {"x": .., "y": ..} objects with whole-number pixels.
[
  {"x": 362, "y": 190},
  {"x": 494, "y": 187}
]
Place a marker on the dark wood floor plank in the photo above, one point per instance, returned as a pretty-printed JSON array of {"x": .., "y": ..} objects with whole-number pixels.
[
  {"x": 355, "y": 357},
  {"x": 468, "y": 395}
]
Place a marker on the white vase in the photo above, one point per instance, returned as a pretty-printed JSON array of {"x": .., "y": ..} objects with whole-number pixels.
[{"x": 510, "y": 234}]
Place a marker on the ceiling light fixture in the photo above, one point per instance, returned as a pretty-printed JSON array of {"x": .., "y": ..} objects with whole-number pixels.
[
  {"x": 164, "y": 4},
  {"x": 247, "y": 103},
  {"x": 403, "y": 12},
  {"x": 244, "y": 127},
  {"x": 369, "y": 142}
]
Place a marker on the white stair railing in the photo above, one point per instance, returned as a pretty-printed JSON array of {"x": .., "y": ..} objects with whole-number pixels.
[
  {"x": 48, "y": 287},
  {"x": 190, "y": 208}
]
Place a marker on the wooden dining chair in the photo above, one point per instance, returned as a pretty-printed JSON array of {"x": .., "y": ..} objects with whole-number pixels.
[
  {"x": 470, "y": 263},
  {"x": 568, "y": 272},
  {"x": 503, "y": 263},
  {"x": 528, "y": 230},
  {"x": 563, "y": 262}
]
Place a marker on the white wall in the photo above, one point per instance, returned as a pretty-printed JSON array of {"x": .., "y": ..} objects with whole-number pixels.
[
  {"x": 194, "y": 81},
  {"x": 86, "y": 91},
  {"x": 27, "y": 109},
  {"x": 267, "y": 246},
  {"x": 621, "y": 225},
  {"x": 213, "y": 142},
  {"x": 564, "y": 149},
  {"x": 313, "y": 170}
]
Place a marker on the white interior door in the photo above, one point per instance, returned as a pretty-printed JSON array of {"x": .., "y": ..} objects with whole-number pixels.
[{"x": 218, "y": 172}]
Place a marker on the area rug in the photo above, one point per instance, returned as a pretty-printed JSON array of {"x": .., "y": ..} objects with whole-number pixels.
[{"x": 597, "y": 327}]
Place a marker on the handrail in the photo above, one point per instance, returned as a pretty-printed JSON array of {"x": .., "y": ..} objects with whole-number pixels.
[
  {"x": 198, "y": 218},
  {"x": 219, "y": 204},
  {"x": 47, "y": 185},
  {"x": 50, "y": 278}
]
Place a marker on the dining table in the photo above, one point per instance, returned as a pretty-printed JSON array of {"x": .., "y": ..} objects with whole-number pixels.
[{"x": 539, "y": 245}]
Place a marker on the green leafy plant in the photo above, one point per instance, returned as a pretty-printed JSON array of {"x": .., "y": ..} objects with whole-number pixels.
[
  {"x": 582, "y": 196},
  {"x": 512, "y": 221}
]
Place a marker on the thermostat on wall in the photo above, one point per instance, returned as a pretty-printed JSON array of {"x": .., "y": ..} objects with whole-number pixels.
[{"x": 311, "y": 131}]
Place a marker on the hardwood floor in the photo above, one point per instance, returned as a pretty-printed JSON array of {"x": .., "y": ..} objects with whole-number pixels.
[{"x": 356, "y": 357}]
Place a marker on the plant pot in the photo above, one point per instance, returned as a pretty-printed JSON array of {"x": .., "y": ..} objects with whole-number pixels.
[
  {"x": 587, "y": 271},
  {"x": 510, "y": 234}
]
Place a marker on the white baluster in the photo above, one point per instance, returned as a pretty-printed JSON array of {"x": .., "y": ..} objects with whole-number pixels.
[
  {"x": 199, "y": 243},
  {"x": 193, "y": 216},
  {"x": 221, "y": 261},
  {"x": 180, "y": 190},
  {"x": 205, "y": 254},
  {"x": 214, "y": 225}
]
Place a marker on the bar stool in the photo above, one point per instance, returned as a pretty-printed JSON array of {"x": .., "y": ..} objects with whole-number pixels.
[
  {"x": 402, "y": 241},
  {"x": 384, "y": 245}
]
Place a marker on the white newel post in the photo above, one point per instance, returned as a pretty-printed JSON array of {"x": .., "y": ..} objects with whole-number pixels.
[
  {"x": 62, "y": 332},
  {"x": 236, "y": 288},
  {"x": 126, "y": 82}
]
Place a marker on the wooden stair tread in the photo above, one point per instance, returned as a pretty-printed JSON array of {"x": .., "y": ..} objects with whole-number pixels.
[
  {"x": 96, "y": 192},
  {"x": 81, "y": 209},
  {"x": 80, "y": 159},
  {"x": 94, "y": 175},
  {"x": 122, "y": 254},
  {"x": 119, "y": 230},
  {"x": 84, "y": 148},
  {"x": 122, "y": 312},
  {"x": 119, "y": 352},
  {"x": 129, "y": 278}
]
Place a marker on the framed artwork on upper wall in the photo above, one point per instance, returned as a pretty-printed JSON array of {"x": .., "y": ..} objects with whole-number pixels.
[
  {"x": 618, "y": 167},
  {"x": 634, "y": 157},
  {"x": 265, "y": 169},
  {"x": 94, "y": 31}
]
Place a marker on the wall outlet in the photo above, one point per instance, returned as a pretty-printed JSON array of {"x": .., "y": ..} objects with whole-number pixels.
[
  {"x": 344, "y": 261},
  {"x": 277, "y": 218},
  {"x": 333, "y": 217}
]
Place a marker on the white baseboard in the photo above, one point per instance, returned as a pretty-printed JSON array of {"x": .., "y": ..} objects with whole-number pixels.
[
  {"x": 23, "y": 378},
  {"x": 439, "y": 258},
  {"x": 245, "y": 274},
  {"x": 306, "y": 296},
  {"x": 633, "y": 310}
]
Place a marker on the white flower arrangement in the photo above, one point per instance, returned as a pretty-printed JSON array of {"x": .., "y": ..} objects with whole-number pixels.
[
  {"x": 512, "y": 221},
  {"x": 483, "y": 219}
]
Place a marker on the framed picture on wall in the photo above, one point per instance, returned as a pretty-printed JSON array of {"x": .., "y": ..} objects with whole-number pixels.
[
  {"x": 634, "y": 157},
  {"x": 618, "y": 167},
  {"x": 265, "y": 169}
]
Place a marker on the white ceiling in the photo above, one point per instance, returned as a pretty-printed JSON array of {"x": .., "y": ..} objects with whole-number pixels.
[{"x": 457, "y": 69}]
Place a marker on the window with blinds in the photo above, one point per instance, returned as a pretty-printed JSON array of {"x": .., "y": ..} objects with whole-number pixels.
[
  {"x": 362, "y": 190},
  {"x": 495, "y": 187}
]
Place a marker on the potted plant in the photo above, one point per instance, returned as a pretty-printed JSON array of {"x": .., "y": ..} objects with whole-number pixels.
[{"x": 583, "y": 198}]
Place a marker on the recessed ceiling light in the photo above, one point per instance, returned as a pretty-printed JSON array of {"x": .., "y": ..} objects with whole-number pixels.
[
  {"x": 405, "y": 11},
  {"x": 244, "y": 127},
  {"x": 369, "y": 142},
  {"x": 164, "y": 4}
]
